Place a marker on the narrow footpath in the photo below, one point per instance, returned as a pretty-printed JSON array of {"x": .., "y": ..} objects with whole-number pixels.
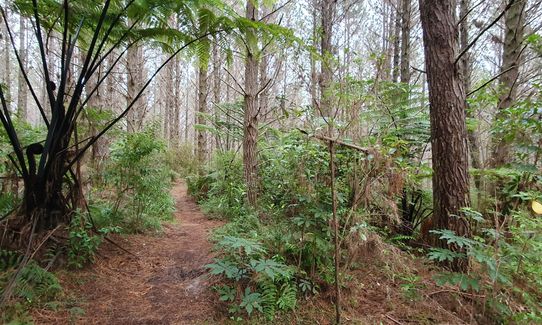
[{"x": 164, "y": 282}]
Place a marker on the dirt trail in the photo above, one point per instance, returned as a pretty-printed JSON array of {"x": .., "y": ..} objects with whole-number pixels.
[{"x": 165, "y": 283}]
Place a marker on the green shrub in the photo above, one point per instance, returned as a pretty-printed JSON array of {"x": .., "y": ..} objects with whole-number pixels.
[
  {"x": 139, "y": 180},
  {"x": 264, "y": 284},
  {"x": 183, "y": 161}
]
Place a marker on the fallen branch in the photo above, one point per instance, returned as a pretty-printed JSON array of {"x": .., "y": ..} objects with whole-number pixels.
[{"x": 337, "y": 141}]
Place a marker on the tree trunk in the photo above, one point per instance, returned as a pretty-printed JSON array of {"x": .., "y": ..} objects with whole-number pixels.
[
  {"x": 397, "y": 43},
  {"x": 405, "y": 41},
  {"x": 448, "y": 121},
  {"x": 314, "y": 72},
  {"x": 466, "y": 72},
  {"x": 202, "y": 110},
  {"x": 22, "y": 97},
  {"x": 135, "y": 70},
  {"x": 175, "y": 111},
  {"x": 326, "y": 50},
  {"x": 250, "y": 138},
  {"x": 217, "y": 85},
  {"x": 6, "y": 70},
  {"x": 167, "y": 99},
  {"x": 511, "y": 62}
]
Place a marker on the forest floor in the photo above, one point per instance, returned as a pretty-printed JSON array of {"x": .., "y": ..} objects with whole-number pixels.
[{"x": 162, "y": 281}]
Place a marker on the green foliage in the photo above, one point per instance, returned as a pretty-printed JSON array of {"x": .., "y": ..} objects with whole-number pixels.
[
  {"x": 268, "y": 283},
  {"x": 503, "y": 260},
  {"x": 84, "y": 239},
  {"x": 284, "y": 248},
  {"x": 221, "y": 190},
  {"x": 411, "y": 286},
  {"x": 140, "y": 180},
  {"x": 34, "y": 286},
  {"x": 81, "y": 242},
  {"x": 183, "y": 161}
]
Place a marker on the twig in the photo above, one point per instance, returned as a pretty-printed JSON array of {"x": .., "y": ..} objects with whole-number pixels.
[
  {"x": 118, "y": 246},
  {"x": 393, "y": 319}
]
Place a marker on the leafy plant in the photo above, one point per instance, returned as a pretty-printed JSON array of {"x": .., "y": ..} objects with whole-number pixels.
[
  {"x": 82, "y": 243},
  {"x": 141, "y": 181}
]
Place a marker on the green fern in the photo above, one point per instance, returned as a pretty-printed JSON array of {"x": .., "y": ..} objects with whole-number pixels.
[
  {"x": 34, "y": 284},
  {"x": 288, "y": 297},
  {"x": 9, "y": 260},
  {"x": 269, "y": 298}
]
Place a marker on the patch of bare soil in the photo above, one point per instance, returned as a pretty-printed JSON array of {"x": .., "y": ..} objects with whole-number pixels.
[{"x": 163, "y": 282}]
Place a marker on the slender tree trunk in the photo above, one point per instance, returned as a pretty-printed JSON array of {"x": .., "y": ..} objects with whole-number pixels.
[
  {"x": 328, "y": 8},
  {"x": 168, "y": 101},
  {"x": 175, "y": 112},
  {"x": 511, "y": 62},
  {"x": 250, "y": 138},
  {"x": 448, "y": 120},
  {"x": 6, "y": 70},
  {"x": 217, "y": 85},
  {"x": 397, "y": 43},
  {"x": 405, "y": 41},
  {"x": 135, "y": 67},
  {"x": 22, "y": 97},
  {"x": 466, "y": 67},
  {"x": 202, "y": 110},
  {"x": 314, "y": 71},
  {"x": 96, "y": 102}
]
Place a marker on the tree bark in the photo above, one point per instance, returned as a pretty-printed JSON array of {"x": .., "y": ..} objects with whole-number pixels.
[
  {"x": 328, "y": 8},
  {"x": 314, "y": 71},
  {"x": 397, "y": 43},
  {"x": 448, "y": 121},
  {"x": 135, "y": 69},
  {"x": 250, "y": 138},
  {"x": 6, "y": 70},
  {"x": 405, "y": 41},
  {"x": 466, "y": 72},
  {"x": 22, "y": 96},
  {"x": 202, "y": 109},
  {"x": 511, "y": 62},
  {"x": 217, "y": 85}
]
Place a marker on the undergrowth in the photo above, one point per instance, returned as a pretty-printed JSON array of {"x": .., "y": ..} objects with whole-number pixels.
[{"x": 271, "y": 257}]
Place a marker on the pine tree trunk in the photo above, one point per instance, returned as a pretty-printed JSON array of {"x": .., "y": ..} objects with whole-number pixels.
[
  {"x": 22, "y": 97},
  {"x": 466, "y": 67},
  {"x": 397, "y": 43},
  {"x": 217, "y": 85},
  {"x": 175, "y": 111},
  {"x": 250, "y": 138},
  {"x": 202, "y": 110},
  {"x": 135, "y": 70},
  {"x": 6, "y": 70},
  {"x": 405, "y": 41},
  {"x": 314, "y": 71},
  {"x": 511, "y": 62},
  {"x": 326, "y": 50},
  {"x": 448, "y": 121}
]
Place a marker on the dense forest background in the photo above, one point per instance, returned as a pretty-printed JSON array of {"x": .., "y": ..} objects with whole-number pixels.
[{"x": 341, "y": 144}]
